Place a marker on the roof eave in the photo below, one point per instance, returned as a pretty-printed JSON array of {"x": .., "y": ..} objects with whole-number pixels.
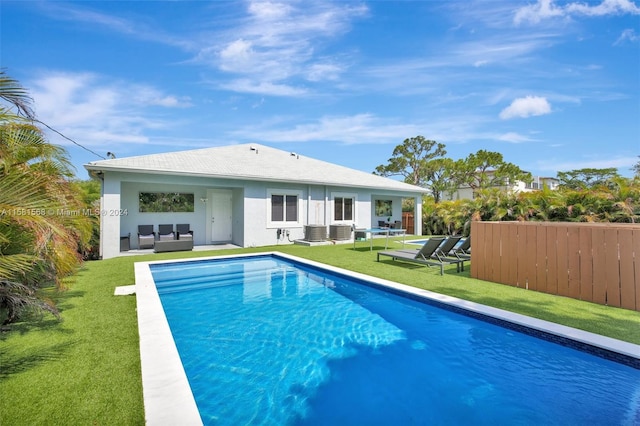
[{"x": 96, "y": 169}]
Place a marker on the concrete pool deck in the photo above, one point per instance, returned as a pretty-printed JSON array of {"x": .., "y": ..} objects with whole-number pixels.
[{"x": 167, "y": 395}]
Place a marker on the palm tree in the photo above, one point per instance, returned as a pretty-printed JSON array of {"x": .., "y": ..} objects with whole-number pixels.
[
  {"x": 38, "y": 239},
  {"x": 627, "y": 200}
]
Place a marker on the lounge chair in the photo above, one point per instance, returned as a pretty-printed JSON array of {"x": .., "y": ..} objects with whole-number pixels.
[
  {"x": 463, "y": 251},
  {"x": 184, "y": 231},
  {"x": 426, "y": 255},
  {"x": 146, "y": 236},
  {"x": 165, "y": 233},
  {"x": 446, "y": 248},
  {"x": 448, "y": 245}
]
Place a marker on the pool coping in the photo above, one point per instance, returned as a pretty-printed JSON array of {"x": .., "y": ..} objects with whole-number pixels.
[{"x": 166, "y": 392}]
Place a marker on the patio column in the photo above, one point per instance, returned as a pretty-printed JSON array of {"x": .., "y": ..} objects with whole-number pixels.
[
  {"x": 417, "y": 215},
  {"x": 110, "y": 218}
]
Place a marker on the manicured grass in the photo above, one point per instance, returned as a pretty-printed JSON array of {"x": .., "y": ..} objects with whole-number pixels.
[{"x": 86, "y": 369}]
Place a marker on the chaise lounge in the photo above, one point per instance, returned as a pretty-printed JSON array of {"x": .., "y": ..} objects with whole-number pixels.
[
  {"x": 463, "y": 251},
  {"x": 427, "y": 255}
]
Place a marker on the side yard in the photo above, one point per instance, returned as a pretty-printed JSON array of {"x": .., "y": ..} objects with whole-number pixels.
[{"x": 86, "y": 368}]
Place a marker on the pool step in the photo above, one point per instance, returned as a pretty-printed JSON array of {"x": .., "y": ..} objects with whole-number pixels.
[{"x": 235, "y": 277}]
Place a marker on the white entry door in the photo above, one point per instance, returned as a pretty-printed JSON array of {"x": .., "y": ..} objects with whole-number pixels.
[{"x": 221, "y": 221}]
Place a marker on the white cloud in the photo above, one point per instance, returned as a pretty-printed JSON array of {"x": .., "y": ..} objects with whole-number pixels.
[
  {"x": 607, "y": 7},
  {"x": 94, "y": 112},
  {"x": 236, "y": 56},
  {"x": 365, "y": 128},
  {"x": 546, "y": 9},
  {"x": 79, "y": 14},
  {"x": 269, "y": 11},
  {"x": 246, "y": 85},
  {"x": 526, "y": 107},
  {"x": 354, "y": 129},
  {"x": 513, "y": 137},
  {"x": 628, "y": 34},
  {"x": 623, "y": 163},
  {"x": 534, "y": 13},
  {"x": 150, "y": 96},
  {"x": 320, "y": 72},
  {"x": 278, "y": 42}
]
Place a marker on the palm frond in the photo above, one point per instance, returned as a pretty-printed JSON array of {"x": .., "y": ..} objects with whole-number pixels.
[
  {"x": 17, "y": 298},
  {"x": 12, "y": 92}
]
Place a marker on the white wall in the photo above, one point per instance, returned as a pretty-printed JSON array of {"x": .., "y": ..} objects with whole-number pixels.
[
  {"x": 130, "y": 222},
  {"x": 396, "y": 205},
  {"x": 257, "y": 230},
  {"x": 250, "y": 208}
]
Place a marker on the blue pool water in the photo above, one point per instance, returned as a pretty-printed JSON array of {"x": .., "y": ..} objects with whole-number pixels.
[
  {"x": 265, "y": 340},
  {"x": 422, "y": 242},
  {"x": 417, "y": 242}
]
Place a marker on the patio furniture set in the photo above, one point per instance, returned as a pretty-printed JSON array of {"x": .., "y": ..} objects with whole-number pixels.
[
  {"x": 437, "y": 251},
  {"x": 166, "y": 239}
]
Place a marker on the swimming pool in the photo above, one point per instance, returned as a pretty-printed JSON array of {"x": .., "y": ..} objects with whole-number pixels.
[
  {"x": 332, "y": 349},
  {"x": 417, "y": 242}
]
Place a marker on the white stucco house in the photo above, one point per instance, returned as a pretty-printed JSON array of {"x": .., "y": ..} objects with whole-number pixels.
[
  {"x": 537, "y": 183},
  {"x": 248, "y": 195}
]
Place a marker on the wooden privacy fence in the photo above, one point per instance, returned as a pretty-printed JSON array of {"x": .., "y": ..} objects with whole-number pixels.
[
  {"x": 408, "y": 222},
  {"x": 596, "y": 262}
]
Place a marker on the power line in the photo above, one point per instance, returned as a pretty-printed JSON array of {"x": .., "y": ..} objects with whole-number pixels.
[{"x": 68, "y": 138}]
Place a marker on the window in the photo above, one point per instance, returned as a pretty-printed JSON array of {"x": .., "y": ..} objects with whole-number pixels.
[
  {"x": 283, "y": 208},
  {"x": 343, "y": 208},
  {"x": 165, "y": 202}
]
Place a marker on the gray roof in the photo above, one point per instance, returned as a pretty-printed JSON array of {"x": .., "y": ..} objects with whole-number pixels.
[{"x": 251, "y": 162}]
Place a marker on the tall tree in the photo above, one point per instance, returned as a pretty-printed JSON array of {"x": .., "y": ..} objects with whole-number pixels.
[
  {"x": 587, "y": 178},
  {"x": 636, "y": 168},
  {"x": 441, "y": 175},
  {"x": 487, "y": 169},
  {"x": 412, "y": 160}
]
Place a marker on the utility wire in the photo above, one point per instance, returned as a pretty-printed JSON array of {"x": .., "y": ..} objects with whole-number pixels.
[{"x": 67, "y": 138}]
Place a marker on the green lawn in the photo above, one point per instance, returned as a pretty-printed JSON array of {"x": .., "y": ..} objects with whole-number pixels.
[{"x": 85, "y": 370}]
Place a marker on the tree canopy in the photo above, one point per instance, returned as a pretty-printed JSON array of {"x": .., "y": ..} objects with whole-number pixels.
[
  {"x": 422, "y": 162},
  {"x": 487, "y": 169},
  {"x": 411, "y": 160},
  {"x": 587, "y": 178}
]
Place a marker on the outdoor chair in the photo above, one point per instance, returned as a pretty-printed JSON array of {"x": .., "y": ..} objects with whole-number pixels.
[
  {"x": 463, "y": 251},
  {"x": 146, "y": 236},
  {"x": 165, "y": 233},
  {"x": 382, "y": 224},
  {"x": 448, "y": 245},
  {"x": 397, "y": 224},
  {"x": 359, "y": 234},
  {"x": 427, "y": 255},
  {"x": 184, "y": 231}
]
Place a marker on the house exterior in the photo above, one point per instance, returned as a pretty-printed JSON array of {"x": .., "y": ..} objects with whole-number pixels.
[
  {"x": 538, "y": 183},
  {"x": 249, "y": 195}
]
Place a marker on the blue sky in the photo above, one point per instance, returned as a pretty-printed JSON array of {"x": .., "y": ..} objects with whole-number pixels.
[{"x": 552, "y": 85}]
